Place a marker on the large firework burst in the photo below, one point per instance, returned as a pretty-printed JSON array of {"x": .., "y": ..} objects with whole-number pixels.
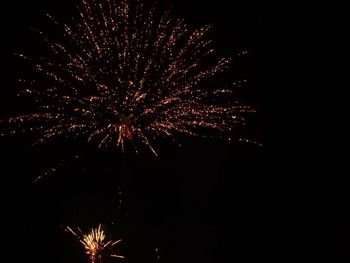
[
  {"x": 123, "y": 73},
  {"x": 95, "y": 244}
]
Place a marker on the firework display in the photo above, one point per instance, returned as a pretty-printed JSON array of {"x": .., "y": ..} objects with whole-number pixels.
[
  {"x": 95, "y": 244},
  {"x": 123, "y": 73}
]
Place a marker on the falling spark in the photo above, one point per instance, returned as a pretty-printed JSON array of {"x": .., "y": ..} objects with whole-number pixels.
[
  {"x": 95, "y": 243},
  {"x": 122, "y": 75},
  {"x": 120, "y": 198}
]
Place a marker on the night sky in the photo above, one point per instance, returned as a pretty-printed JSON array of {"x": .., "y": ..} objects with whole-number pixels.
[{"x": 208, "y": 201}]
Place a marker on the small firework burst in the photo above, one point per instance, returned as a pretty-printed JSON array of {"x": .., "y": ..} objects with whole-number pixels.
[
  {"x": 95, "y": 244},
  {"x": 121, "y": 73}
]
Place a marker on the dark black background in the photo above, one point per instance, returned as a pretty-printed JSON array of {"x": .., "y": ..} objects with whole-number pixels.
[{"x": 207, "y": 201}]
